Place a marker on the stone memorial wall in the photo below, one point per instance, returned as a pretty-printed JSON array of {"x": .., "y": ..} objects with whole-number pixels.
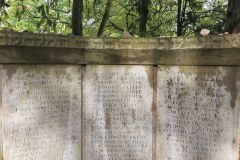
[
  {"x": 73, "y": 98},
  {"x": 197, "y": 113},
  {"x": 117, "y": 112},
  {"x": 41, "y": 112}
]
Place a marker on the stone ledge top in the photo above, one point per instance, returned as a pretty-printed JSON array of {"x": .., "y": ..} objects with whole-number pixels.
[
  {"x": 29, "y": 48},
  {"x": 162, "y": 43}
]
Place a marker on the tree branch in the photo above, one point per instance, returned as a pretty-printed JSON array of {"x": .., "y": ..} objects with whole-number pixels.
[{"x": 115, "y": 26}]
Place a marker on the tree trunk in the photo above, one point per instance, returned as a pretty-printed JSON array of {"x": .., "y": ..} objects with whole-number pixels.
[
  {"x": 77, "y": 17},
  {"x": 233, "y": 17},
  {"x": 179, "y": 18},
  {"x": 143, "y": 10},
  {"x": 105, "y": 18}
]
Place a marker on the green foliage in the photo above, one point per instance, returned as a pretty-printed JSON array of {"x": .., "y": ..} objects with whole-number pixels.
[
  {"x": 54, "y": 16},
  {"x": 51, "y": 16}
]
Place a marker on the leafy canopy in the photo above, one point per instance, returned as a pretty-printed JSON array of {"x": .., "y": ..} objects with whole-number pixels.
[{"x": 54, "y": 16}]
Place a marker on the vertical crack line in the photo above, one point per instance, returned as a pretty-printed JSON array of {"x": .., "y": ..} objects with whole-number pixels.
[
  {"x": 82, "y": 71},
  {"x": 154, "y": 112}
]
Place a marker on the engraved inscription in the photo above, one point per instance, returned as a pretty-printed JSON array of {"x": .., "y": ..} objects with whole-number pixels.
[
  {"x": 117, "y": 113},
  {"x": 42, "y": 112},
  {"x": 197, "y": 114}
]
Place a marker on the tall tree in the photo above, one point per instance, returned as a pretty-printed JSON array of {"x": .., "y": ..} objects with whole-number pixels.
[
  {"x": 105, "y": 18},
  {"x": 179, "y": 18},
  {"x": 233, "y": 17},
  {"x": 143, "y": 11},
  {"x": 77, "y": 17}
]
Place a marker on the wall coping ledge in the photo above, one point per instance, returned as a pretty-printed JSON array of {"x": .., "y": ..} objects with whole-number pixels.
[{"x": 25, "y": 47}]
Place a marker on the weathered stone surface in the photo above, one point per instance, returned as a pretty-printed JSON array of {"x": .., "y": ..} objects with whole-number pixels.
[
  {"x": 165, "y": 43},
  {"x": 198, "y": 113},
  {"x": 117, "y": 112},
  {"x": 1, "y": 138},
  {"x": 36, "y": 55},
  {"x": 56, "y": 49},
  {"x": 41, "y": 112},
  {"x": 109, "y": 56},
  {"x": 203, "y": 57}
]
